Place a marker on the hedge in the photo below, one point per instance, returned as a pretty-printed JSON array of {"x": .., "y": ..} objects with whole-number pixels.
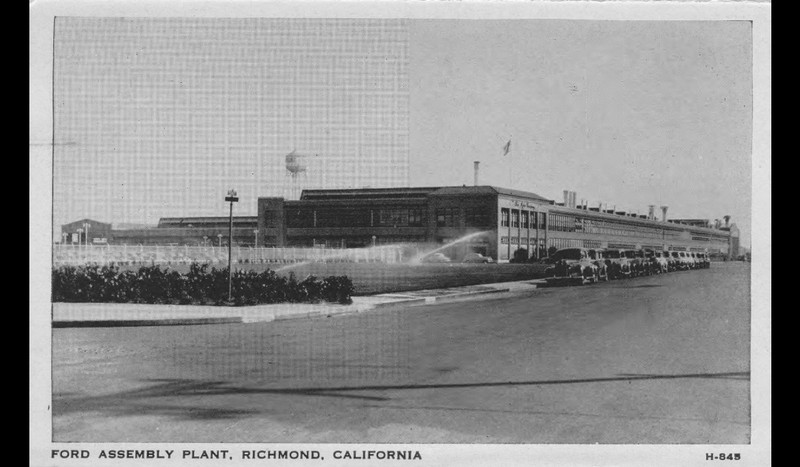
[{"x": 151, "y": 284}]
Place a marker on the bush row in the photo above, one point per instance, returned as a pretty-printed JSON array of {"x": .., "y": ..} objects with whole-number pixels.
[{"x": 200, "y": 286}]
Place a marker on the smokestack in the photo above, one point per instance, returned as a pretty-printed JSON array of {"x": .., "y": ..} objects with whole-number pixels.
[
  {"x": 574, "y": 200},
  {"x": 476, "y": 164},
  {"x": 566, "y": 198},
  {"x": 664, "y": 213},
  {"x": 727, "y": 219},
  {"x": 651, "y": 212}
]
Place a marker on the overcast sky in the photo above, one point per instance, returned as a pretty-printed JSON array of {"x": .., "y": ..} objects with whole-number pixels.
[{"x": 160, "y": 117}]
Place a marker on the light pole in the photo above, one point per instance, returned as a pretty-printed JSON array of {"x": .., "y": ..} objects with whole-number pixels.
[
  {"x": 255, "y": 238},
  {"x": 231, "y": 198},
  {"x": 86, "y": 229},
  {"x": 219, "y": 238}
]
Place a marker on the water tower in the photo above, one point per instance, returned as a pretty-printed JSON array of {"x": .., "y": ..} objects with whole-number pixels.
[{"x": 296, "y": 165}]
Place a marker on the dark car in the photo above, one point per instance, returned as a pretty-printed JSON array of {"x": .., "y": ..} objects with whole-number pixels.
[
  {"x": 436, "y": 258},
  {"x": 477, "y": 258},
  {"x": 573, "y": 263},
  {"x": 597, "y": 255},
  {"x": 637, "y": 261},
  {"x": 654, "y": 263},
  {"x": 704, "y": 260},
  {"x": 614, "y": 259}
]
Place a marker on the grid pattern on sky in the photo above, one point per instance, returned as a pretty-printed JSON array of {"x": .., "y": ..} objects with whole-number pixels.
[{"x": 160, "y": 117}]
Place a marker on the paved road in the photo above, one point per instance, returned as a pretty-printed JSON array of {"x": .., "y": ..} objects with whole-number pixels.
[{"x": 660, "y": 359}]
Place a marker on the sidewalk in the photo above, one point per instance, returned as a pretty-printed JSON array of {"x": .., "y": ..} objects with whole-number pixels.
[{"x": 132, "y": 314}]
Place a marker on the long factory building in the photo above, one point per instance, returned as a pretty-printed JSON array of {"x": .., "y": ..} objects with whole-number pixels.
[
  {"x": 499, "y": 222},
  {"x": 514, "y": 224}
]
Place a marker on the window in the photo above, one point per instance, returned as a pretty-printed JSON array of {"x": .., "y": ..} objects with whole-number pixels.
[
  {"x": 447, "y": 217},
  {"x": 415, "y": 217},
  {"x": 515, "y": 218},
  {"x": 343, "y": 217},
  {"x": 270, "y": 218},
  {"x": 525, "y": 219},
  {"x": 476, "y": 217},
  {"x": 392, "y": 217},
  {"x": 562, "y": 223},
  {"x": 504, "y": 217},
  {"x": 300, "y": 218}
]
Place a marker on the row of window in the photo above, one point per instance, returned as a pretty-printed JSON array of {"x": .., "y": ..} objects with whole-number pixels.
[
  {"x": 305, "y": 218},
  {"x": 516, "y": 219},
  {"x": 391, "y": 217},
  {"x": 473, "y": 217},
  {"x": 400, "y": 217},
  {"x": 559, "y": 243},
  {"x": 569, "y": 223},
  {"x": 516, "y": 241}
]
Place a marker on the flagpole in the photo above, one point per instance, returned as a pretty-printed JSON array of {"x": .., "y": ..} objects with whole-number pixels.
[{"x": 506, "y": 152}]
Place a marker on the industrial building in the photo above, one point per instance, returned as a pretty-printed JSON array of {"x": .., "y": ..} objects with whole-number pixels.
[
  {"x": 192, "y": 231},
  {"x": 502, "y": 223}
]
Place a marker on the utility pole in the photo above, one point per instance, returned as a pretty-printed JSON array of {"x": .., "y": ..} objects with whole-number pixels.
[{"x": 231, "y": 198}]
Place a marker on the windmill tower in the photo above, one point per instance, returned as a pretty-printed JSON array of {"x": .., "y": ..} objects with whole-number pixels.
[{"x": 296, "y": 168}]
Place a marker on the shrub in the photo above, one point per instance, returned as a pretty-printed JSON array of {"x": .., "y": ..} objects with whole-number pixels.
[{"x": 151, "y": 284}]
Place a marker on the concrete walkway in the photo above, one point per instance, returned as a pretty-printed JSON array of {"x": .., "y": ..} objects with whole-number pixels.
[{"x": 134, "y": 314}]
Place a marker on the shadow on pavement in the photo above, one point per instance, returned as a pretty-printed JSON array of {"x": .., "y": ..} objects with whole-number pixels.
[{"x": 126, "y": 403}]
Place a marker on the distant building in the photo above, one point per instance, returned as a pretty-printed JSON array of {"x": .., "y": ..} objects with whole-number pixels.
[
  {"x": 193, "y": 231},
  {"x": 79, "y": 232}
]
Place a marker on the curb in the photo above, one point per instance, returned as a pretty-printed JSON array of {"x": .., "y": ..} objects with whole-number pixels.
[
  {"x": 110, "y": 323},
  {"x": 409, "y": 301},
  {"x": 448, "y": 297}
]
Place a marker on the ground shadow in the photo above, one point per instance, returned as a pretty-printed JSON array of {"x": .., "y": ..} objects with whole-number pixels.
[{"x": 130, "y": 402}]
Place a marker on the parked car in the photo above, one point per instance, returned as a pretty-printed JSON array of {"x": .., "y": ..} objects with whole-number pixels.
[
  {"x": 637, "y": 262},
  {"x": 597, "y": 255},
  {"x": 672, "y": 264},
  {"x": 573, "y": 263},
  {"x": 436, "y": 258},
  {"x": 674, "y": 261},
  {"x": 682, "y": 261},
  {"x": 477, "y": 258},
  {"x": 614, "y": 259},
  {"x": 656, "y": 261},
  {"x": 693, "y": 264}
]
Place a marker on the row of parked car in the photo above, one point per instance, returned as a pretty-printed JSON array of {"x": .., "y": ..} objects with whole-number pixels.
[{"x": 602, "y": 264}]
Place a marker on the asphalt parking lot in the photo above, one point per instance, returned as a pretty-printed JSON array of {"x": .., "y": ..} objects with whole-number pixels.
[{"x": 662, "y": 359}]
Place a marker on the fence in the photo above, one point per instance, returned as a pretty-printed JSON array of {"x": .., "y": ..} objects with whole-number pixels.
[{"x": 140, "y": 255}]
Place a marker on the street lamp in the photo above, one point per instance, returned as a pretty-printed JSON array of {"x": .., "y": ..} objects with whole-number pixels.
[
  {"x": 231, "y": 198},
  {"x": 86, "y": 229},
  {"x": 205, "y": 240},
  {"x": 255, "y": 238},
  {"x": 219, "y": 237}
]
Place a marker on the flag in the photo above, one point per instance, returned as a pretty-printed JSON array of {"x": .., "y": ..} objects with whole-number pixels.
[{"x": 507, "y": 148}]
